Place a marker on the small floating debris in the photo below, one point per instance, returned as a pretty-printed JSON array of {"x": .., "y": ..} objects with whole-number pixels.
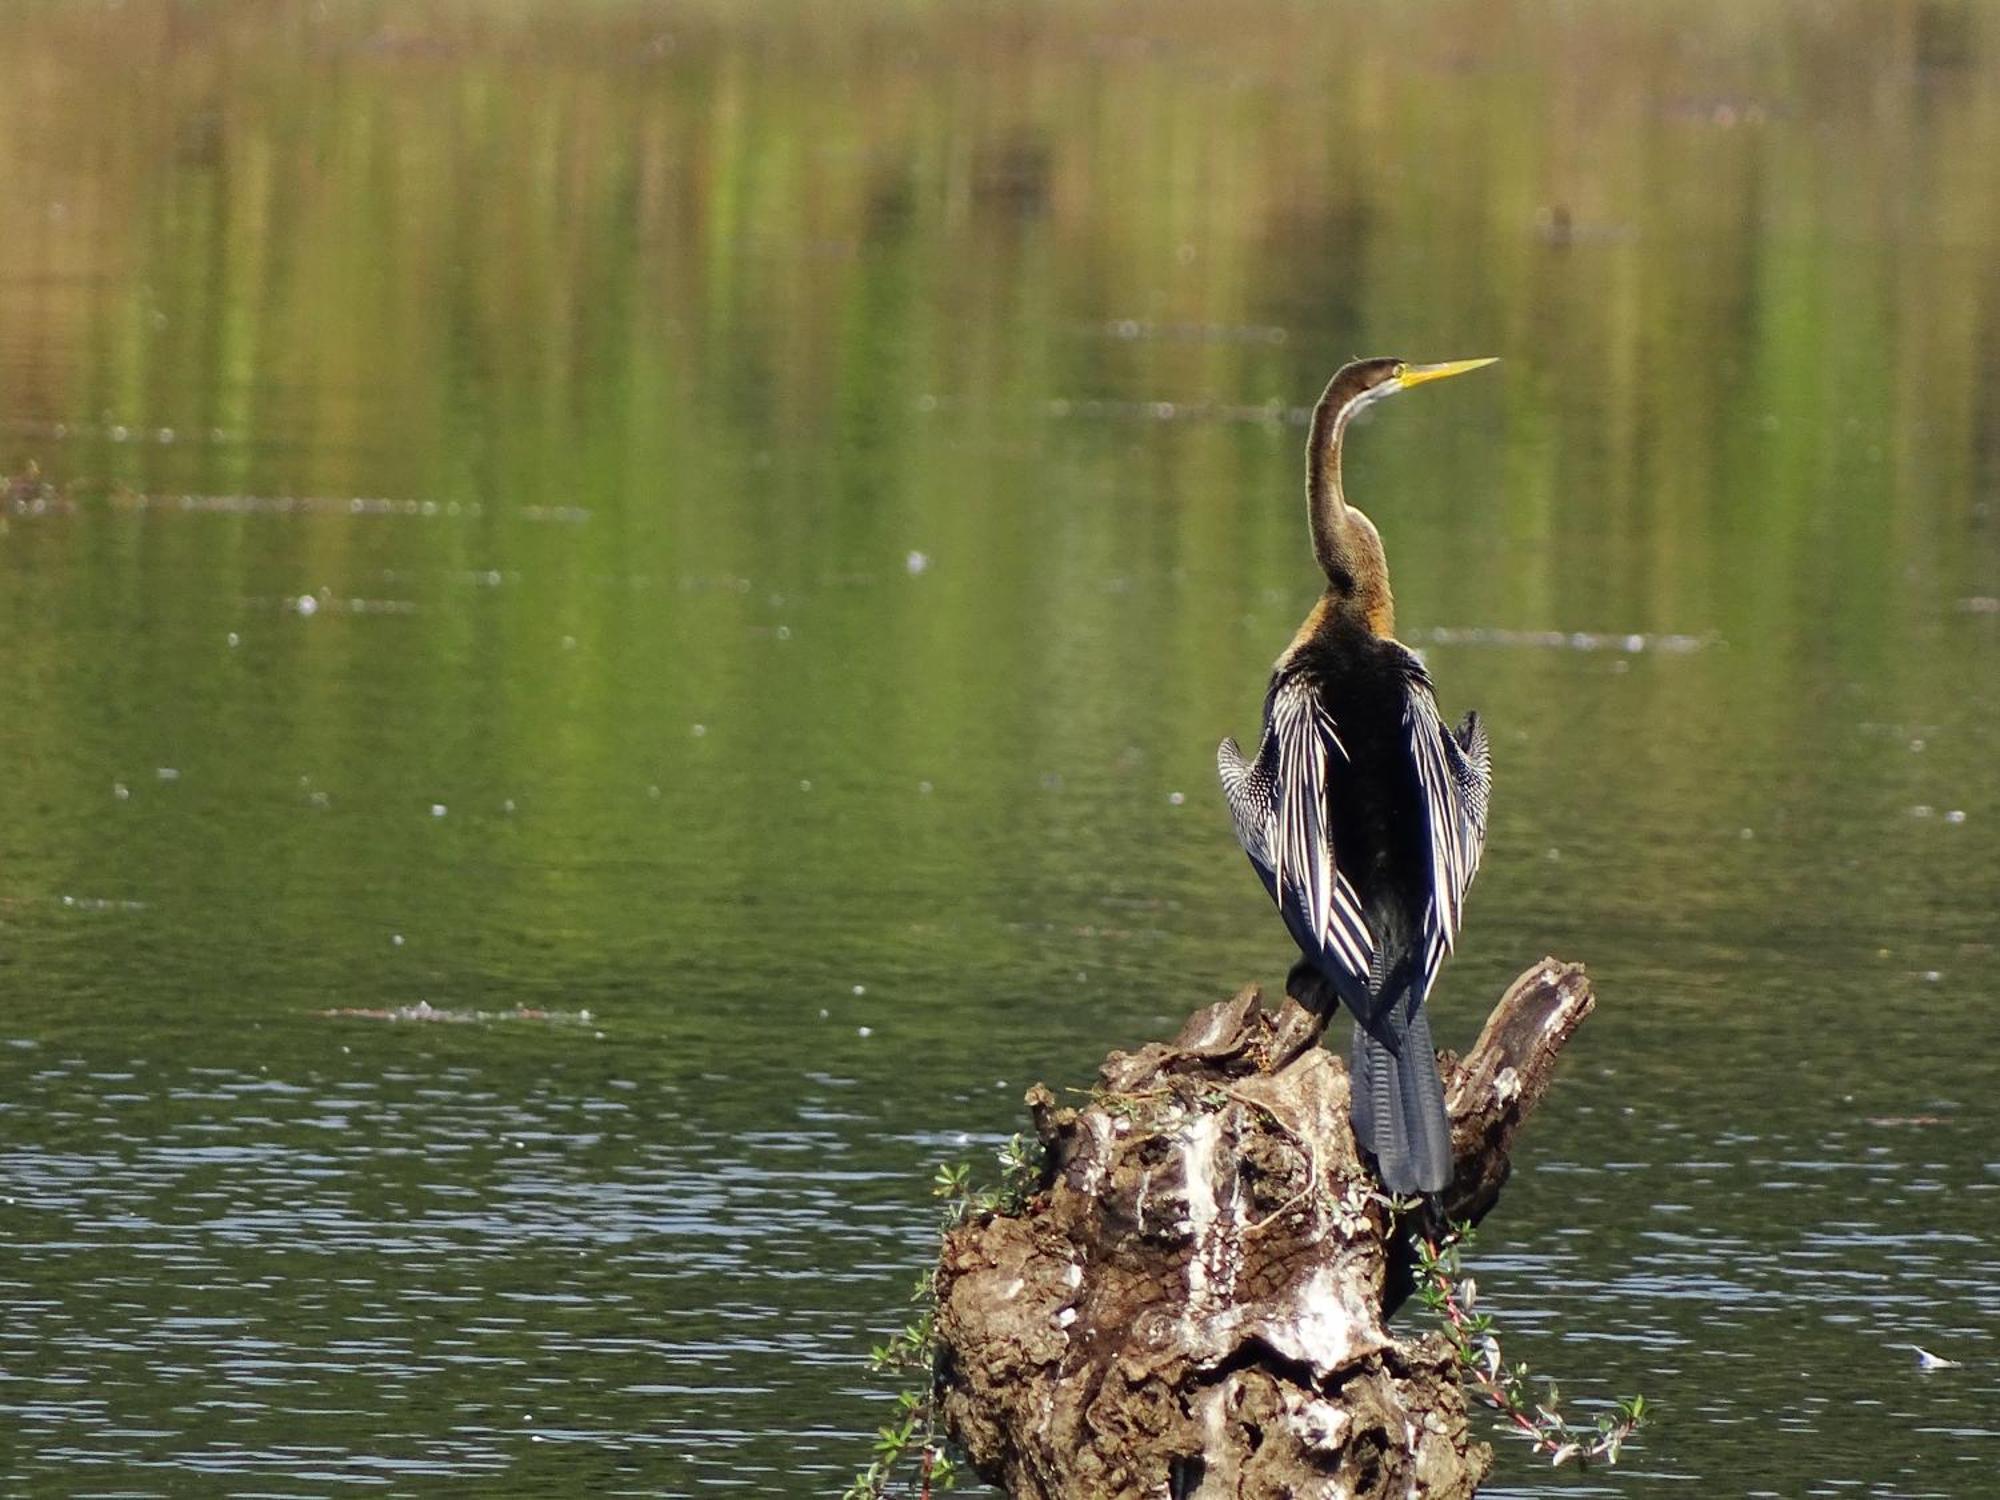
[
  {"x": 1193, "y": 333},
  {"x": 291, "y": 505},
  {"x": 326, "y": 602},
  {"x": 28, "y": 494},
  {"x": 916, "y": 562},
  {"x": 562, "y": 515},
  {"x": 1556, "y": 224},
  {"x": 101, "y": 903},
  {"x": 1897, "y": 1121},
  {"x": 1269, "y": 413},
  {"x": 1632, "y": 643},
  {"x": 118, "y": 432},
  {"x": 423, "y": 1010},
  {"x": 1724, "y": 113}
]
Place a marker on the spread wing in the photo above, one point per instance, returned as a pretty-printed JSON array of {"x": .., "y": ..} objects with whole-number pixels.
[
  {"x": 1454, "y": 775},
  {"x": 1278, "y": 803}
]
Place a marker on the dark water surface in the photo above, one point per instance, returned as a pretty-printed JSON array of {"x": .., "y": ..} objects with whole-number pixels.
[{"x": 699, "y": 557}]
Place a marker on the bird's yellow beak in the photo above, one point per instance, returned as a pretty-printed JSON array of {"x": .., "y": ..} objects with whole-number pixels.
[{"x": 1418, "y": 374}]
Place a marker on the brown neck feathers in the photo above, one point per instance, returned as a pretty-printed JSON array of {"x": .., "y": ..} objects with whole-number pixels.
[{"x": 1345, "y": 542}]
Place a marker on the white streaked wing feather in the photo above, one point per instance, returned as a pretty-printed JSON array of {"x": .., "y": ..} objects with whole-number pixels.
[
  {"x": 1347, "y": 932},
  {"x": 1247, "y": 787},
  {"x": 1454, "y": 788},
  {"x": 1308, "y": 880},
  {"x": 1304, "y": 864}
]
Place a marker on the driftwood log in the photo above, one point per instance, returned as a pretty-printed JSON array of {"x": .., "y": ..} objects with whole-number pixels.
[{"x": 1194, "y": 1304}]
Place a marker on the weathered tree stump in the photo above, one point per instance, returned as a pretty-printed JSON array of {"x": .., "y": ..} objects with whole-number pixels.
[{"x": 1194, "y": 1304}]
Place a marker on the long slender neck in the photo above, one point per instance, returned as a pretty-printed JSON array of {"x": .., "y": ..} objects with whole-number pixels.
[
  {"x": 1326, "y": 503},
  {"x": 1345, "y": 542}
]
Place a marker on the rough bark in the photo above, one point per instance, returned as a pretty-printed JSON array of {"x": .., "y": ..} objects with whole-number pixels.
[{"x": 1194, "y": 1304}]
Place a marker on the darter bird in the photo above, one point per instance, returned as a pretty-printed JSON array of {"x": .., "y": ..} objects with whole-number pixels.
[{"x": 1363, "y": 814}]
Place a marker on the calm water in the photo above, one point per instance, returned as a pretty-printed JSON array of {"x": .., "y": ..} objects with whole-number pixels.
[{"x": 700, "y": 559}]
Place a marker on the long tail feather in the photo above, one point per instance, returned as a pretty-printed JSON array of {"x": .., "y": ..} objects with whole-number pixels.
[
  {"x": 1363, "y": 1063},
  {"x": 1397, "y": 1106},
  {"x": 1424, "y": 1121}
]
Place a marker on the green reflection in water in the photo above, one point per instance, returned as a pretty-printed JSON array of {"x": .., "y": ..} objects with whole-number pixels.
[{"x": 826, "y": 480}]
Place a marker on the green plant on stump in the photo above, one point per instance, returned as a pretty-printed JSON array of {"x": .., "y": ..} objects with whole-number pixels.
[
  {"x": 1503, "y": 1387},
  {"x": 909, "y": 1454}
]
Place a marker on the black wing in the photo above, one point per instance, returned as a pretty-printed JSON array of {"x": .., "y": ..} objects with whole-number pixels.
[
  {"x": 1454, "y": 774},
  {"x": 1278, "y": 803}
]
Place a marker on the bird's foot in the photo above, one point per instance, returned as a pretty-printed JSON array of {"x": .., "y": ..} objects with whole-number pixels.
[{"x": 1301, "y": 1020}]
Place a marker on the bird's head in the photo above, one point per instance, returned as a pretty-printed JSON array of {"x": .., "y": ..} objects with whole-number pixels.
[
  {"x": 1345, "y": 541},
  {"x": 1366, "y": 381}
]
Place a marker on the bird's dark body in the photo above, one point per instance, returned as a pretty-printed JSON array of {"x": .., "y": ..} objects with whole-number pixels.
[
  {"x": 1362, "y": 813},
  {"x": 1375, "y": 808}
]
